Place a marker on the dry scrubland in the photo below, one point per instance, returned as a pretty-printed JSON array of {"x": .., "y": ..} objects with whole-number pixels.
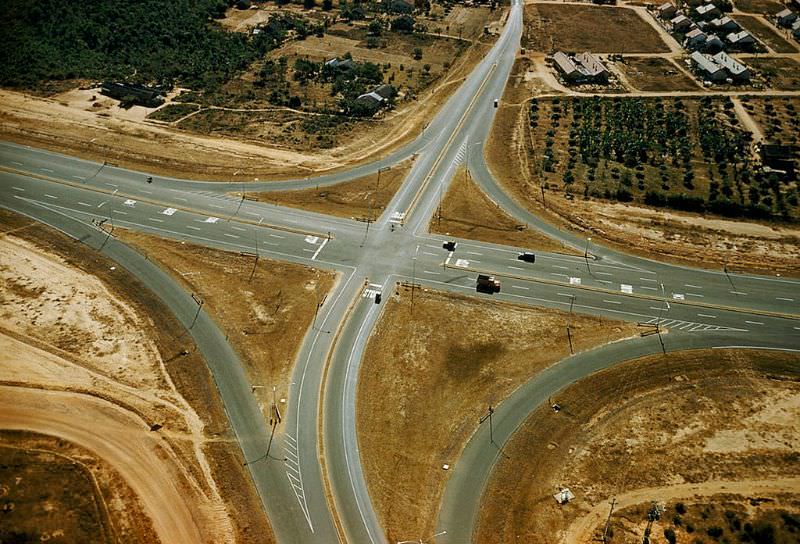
[
  {"x": 362, "y": 198},
  {"x": 599, "y": 29},
  {"x": 94, "y": 360},
  {"x": 427, "y": 378},
  {"x": 265, "y": 318},
  {"x": 671, "y": 429},
  {"x": 656, "y": 74},
  {"x": 765, "y": 34},
  {"x": 466, "y": 212}
]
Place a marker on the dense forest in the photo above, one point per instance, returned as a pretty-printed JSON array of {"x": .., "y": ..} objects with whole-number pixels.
[{"x": 146, "y": 41}]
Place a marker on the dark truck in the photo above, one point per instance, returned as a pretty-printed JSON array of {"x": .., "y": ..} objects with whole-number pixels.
[{"x": 487, "y": 284}]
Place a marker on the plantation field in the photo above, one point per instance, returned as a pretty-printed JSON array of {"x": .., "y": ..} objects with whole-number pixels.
[
  {"x": 778, "y": 117},
  {"x": 684, "y": 154},
  {"x": 570, "y": 27}
]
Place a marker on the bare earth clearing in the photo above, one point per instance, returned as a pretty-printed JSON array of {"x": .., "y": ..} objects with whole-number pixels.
[
  {"x": 265, "y": 318},
  {"x": 599, "y": 29},
  {"x": 427, "y": 378},
  {"x": 361, "y": 198},
  {"x": 92, "y": 357},
  {"x": 467, "y": 212},
  {"x": 685, "y": 426}
]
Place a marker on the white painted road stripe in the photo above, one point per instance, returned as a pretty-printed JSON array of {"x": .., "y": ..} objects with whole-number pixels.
[
  {"x": 753, "y": 322},
  {"x": 230, "y": 235},
  {"x": 694, "y": 295},
  {"x": 520, "y": 287},
  {"x": 737, "y": 293},
  {"x": 193, "y": 228},
  {"x": 692, "y": 286},
  {"x": 785, "y": 299},
  {"x": 513, "y": 267},
  {"x": 276, "y": 236},
  {"x": 85, "y": 204},
  {"x": 51, "y": 196},
  {"x": 18, "y": 188},
  {"x": 154, "y": 219},
  {"x": 612, "y": 301},
  {"x": 325, "y": 241},
  {"x": 434, "y": 273},
  {"x": 707, "y": 315}
]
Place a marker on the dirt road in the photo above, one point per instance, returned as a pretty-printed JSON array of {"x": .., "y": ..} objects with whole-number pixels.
[{"x": 119, "y": 438}]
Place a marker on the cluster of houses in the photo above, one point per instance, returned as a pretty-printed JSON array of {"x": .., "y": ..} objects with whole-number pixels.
[
  {"x": 789, "y": 19},
  {"x": 377, "y": 96},
  {"x": 705, "y": 27},
  {"x": 580, "y": 69},
  {"x": 130, "y": 94},
  {"x": 719, "y": 67}
]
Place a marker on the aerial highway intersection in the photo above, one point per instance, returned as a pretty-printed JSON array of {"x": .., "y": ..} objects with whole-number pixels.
[{"x": 699, "y": 307}]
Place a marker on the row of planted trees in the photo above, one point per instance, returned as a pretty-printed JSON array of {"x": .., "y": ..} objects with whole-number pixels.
[{"x": 686, "y": 155}]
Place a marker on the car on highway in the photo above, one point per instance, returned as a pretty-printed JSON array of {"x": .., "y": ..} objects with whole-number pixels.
[{"x": 527, "y": 257}]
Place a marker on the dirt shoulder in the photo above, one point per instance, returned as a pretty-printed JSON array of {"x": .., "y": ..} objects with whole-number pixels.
[
  {"x": 362, "y": 198},
  {"x": 265, "y": 318},
  {"x": 85, "y": 341},
  {"x": 428, "y": 377},
  {"x": 466, "y": 212},
  {"x": 691, "y": 424},
  {"x": 660, "y": 234}
]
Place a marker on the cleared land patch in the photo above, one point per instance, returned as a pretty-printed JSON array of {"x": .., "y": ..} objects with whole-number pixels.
[
  {"x": 466, "y": 212},
  {"x": 782, "y": 74},
  {"x": 655, "y": 74},
  {"x": 90, "y": 355},
  {"x": 659, "y": 422},
  {"x": 570, "y": 27},
  {"x": 759, "y": 6},
  {"x": 427, "y": 378},
  {"x": 362, "y": 198}
]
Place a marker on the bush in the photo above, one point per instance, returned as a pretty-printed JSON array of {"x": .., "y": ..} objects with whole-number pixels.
[
  {"x": 714, "y": 532},
  {"x": 669, "y": 534}
]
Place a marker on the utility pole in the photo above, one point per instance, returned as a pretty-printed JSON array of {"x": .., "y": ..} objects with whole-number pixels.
[
  {"x": 608, "y": 520},
  {"x": 569, "y": 324},
  {"x": 586, "y": 251},
  {"x": 253, "y": 272},
  {"x": 489, "y": 417},
  {"x": 660, "y": 314},
  {"x": 413, "y": 278},
  {"x": 199, "y": 302},
  {"x": 239, "y": 207}
]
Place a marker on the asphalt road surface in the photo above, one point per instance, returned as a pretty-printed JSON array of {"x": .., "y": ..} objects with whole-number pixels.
[{"x": 700, "y": 308}]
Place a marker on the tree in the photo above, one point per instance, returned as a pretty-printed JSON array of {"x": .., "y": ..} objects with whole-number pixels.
[
  {"x": 417, "y": 53},
  {"x": 403, "y": 23},
  {"x": 327, "y": 5},
  {"x": 375, "y": 27},
  {"x": 309, "y": 4}
]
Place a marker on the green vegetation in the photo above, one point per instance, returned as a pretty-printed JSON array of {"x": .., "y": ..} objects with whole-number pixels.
[
  {"x": 173, "y": 112},
  {"x": 148, "y": 41},
  {"x": 685, "y": 155}
]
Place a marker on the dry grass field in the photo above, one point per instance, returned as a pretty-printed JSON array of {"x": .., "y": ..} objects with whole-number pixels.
[
  {"x": 90, "y": 356},
  {"x": 466, "y": 212},
  {"x": 266, "y": 318},
  {"x": 782, "y": 74},
  {"x": 759, "y": 6},
  {"x": 655, "y": 74},
  {"x": 428, "y": 376},
  {"x": 570, "y": 27},
  {"x": 361, "y": 198},
  {"x": 677, "y": 428}
]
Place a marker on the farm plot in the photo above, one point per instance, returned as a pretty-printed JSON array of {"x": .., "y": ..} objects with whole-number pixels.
[
  {"x": 570, "y": 27},
  {"x": 687, "y": 155},
  {"x": 655, "y": 74},
  {"x": 782, "y": 74}
]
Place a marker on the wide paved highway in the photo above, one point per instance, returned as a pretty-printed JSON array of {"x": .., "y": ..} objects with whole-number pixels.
[{"x": 698, "y": 307}]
